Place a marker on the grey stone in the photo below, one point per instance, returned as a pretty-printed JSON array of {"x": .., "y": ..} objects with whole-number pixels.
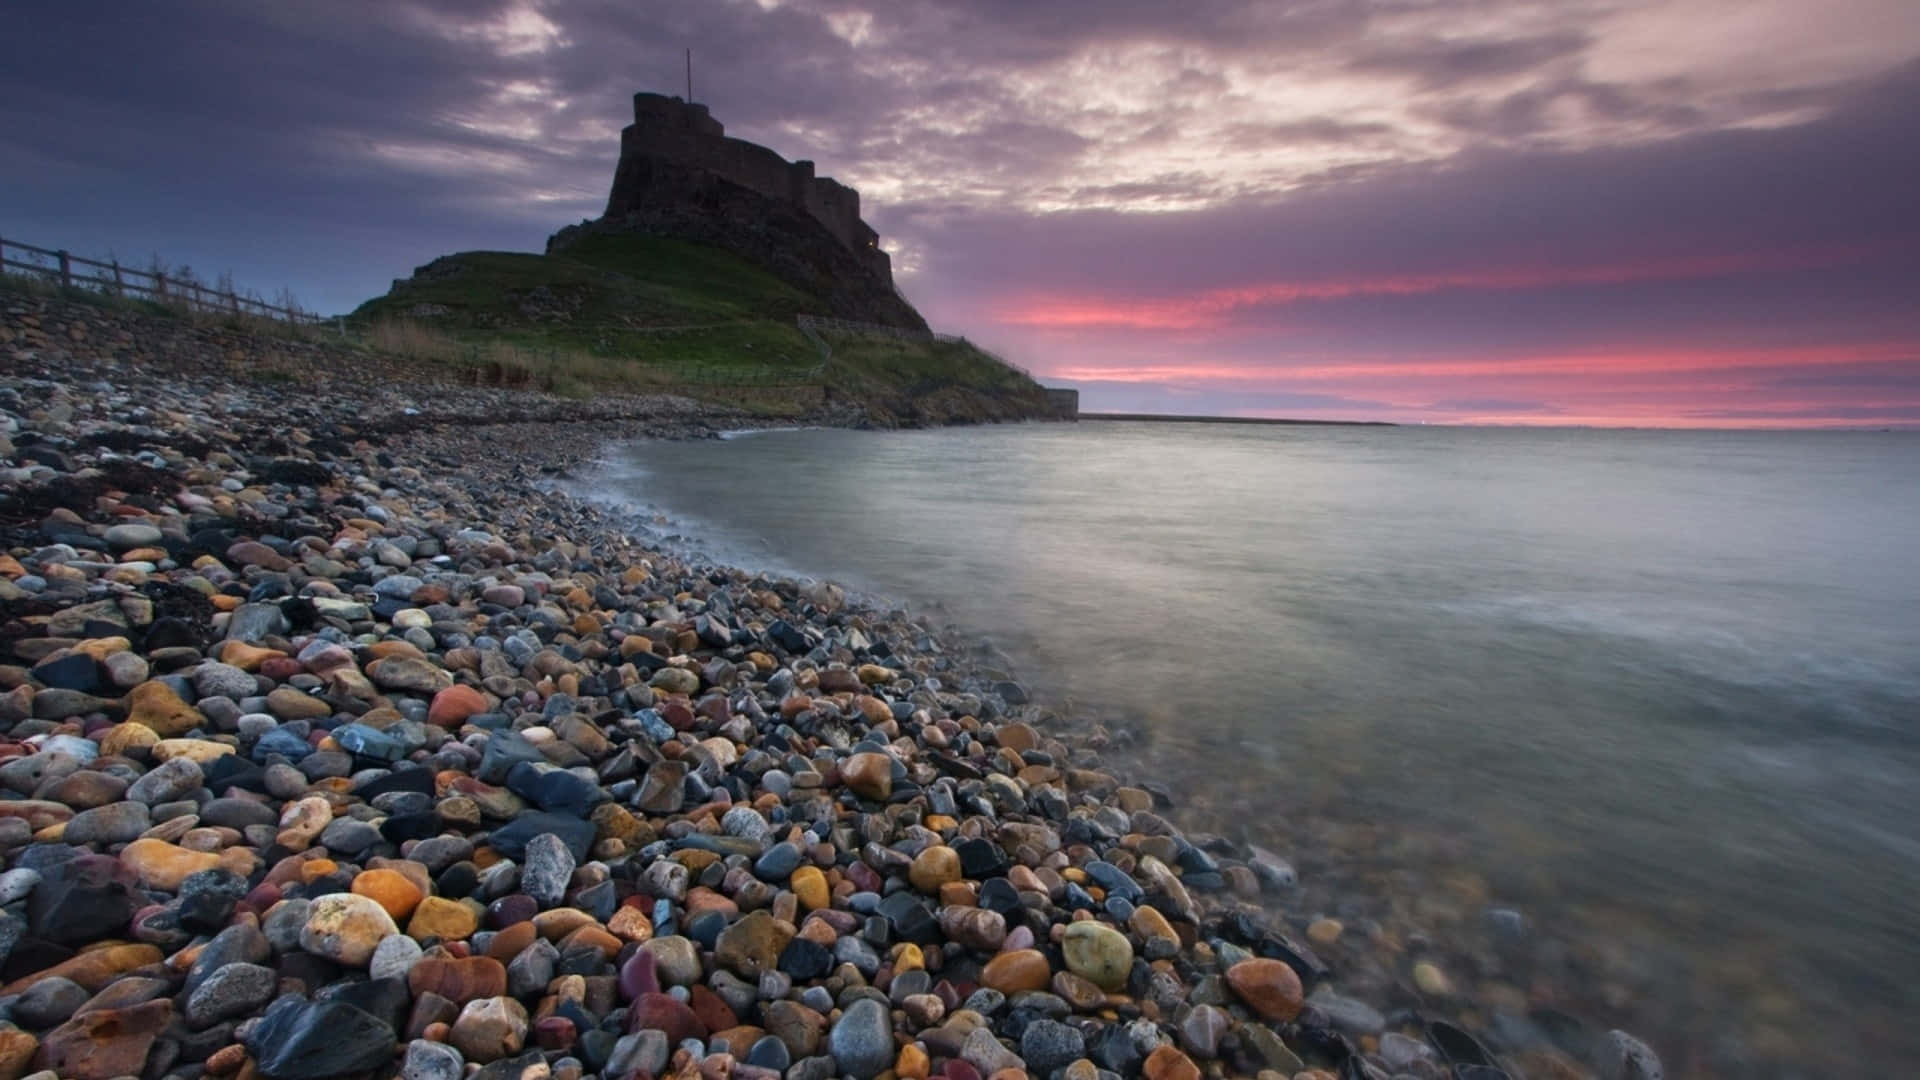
[
  {"x": 233, "y": 990},
  {"x": 547, "y": 871},
  {"x": 984, "y": 1052},
  {"x": 643, "y": 1052},
  {"x": 676, "y": 959},
  {"x": 1049, "y": 1044},
  {"x": 115, "y": 823},
  {"x": 394, "y": 957},
  {"x": 253, "y": 622},
  {"x": 283, "y": 923},
  {"x": 531, "y": 971},
  {"x": 214, "y": 679},
  {"x": 745, "y": 821},
  {"x": 1623, "y": 1057},
  {"x": 431, "y": 1061},
  {"x": 49, "y": 1001},
  {"x": 1348, "y": 1014},
  {"x": 16, "y": 884},
  {"x": 172, "y": 779},
  {"x": 133, "y": 534},
  {"x": 862, "y": 1041}
]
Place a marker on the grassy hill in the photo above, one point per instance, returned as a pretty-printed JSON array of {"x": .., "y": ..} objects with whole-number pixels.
[{"x": 648, "y": 313}]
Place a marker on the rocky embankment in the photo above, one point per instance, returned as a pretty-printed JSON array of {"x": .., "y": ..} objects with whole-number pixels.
[{"x": 333, "y": 744}]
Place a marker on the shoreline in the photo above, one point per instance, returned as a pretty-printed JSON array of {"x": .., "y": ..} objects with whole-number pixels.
[{"x": 757, "y": 761}]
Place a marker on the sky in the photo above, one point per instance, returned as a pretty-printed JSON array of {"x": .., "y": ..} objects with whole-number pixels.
[{"x": 1613, "y": 212}]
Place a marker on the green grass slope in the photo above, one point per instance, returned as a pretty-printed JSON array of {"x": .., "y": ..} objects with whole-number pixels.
[{"x": 636, "y": 312}]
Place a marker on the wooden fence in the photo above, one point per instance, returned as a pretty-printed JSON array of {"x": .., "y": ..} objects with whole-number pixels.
[{"x": 114, "y": 279}]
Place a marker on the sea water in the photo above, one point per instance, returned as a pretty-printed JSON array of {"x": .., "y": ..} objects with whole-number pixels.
[{"x": 1656, "y": 692}]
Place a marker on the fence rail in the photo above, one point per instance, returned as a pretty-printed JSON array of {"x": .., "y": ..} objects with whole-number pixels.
[{"x": 114, "y": 278}]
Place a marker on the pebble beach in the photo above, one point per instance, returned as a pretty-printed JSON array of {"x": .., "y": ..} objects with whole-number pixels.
[{"x": 338, "y": 740}]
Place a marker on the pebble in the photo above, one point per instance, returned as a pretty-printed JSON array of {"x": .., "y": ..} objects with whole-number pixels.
[
  {"x": 1269, "y": 987},
  {"x": 1099, "y": 953},
  {"x": 861, "y": 1042}
]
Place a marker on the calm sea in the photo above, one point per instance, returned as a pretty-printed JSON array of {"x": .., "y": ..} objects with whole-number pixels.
[{"x": 1658, "y": 692}]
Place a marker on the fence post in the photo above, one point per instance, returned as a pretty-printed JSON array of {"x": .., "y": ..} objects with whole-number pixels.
[
  {"x": 66, "y": 271},
  {"x": 160, "y": 286},
  {"x": 119, "y": 286}
]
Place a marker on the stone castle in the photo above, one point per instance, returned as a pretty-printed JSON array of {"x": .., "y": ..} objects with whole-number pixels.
[
  {"x": 680, "y": 133},
  {"x": 680, "y": 175}
]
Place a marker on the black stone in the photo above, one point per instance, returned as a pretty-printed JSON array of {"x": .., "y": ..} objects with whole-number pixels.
[
  {"x": 555, "y": 790},
  {"x": 459, "y": 880},
  {"x": 81, "y": 901},
  {"x": 308, "y": 969},
  {"x": 511, "y": 839},
  {"x": 805, "y": 960},
  {"x": 1049, "y": 1044},
  {"x": 75, "y": 671},
  {"x": 32, "y": 954},
  {"x": 768, "y": 1052},
  {"x": 386, "y": 999},
  {"x": 1113, "y": 1049},
  {"x": 981, "y": 858},
  {"x": 197, "y": 1046},
  {"x": 294, "y": 472},
  {"x": 998, "y": 894},
  {"x": 910, "y": 919},
  {"x": 581, "y": 960},
  {"x": 231, "y": 771},
  {"x": 1116, "y": 881},
  {"x": 599, "y": 900},
  {"x": 399, "y": 828},
  {"x": 788, "y": 637},
  {"x": 705, "y": 928},
  {"x": 241, "y": 943},
  {"x": 594, "y": 1048},
  {"x": 207, "y": 899},
  {"x": 1296, "y": 955},
  {"x": 172, "y": 632},
  {"x": 310, "y": 1040},
  {"x": 505, "y": 749}
]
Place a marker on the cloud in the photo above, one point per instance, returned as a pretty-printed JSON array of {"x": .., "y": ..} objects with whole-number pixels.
[
  {"x": 1301, "y": 191},
  {"x": 1494, "y": 405},
  {"x": 1442, "y": 64}
]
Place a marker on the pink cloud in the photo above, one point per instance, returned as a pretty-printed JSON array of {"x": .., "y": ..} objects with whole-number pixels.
[{"x": 1214, "y": 308}]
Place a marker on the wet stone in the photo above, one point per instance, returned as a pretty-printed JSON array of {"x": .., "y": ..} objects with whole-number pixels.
[
  {"x": 511, "y": 839},
  {"x": 862, "y": 1041},
  {"x": 303, "y": 1040},
  {"x": 1048, "y": 1045}
]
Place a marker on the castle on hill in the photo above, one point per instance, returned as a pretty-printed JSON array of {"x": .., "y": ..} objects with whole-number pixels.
[{"x": 680, "y": 175}]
